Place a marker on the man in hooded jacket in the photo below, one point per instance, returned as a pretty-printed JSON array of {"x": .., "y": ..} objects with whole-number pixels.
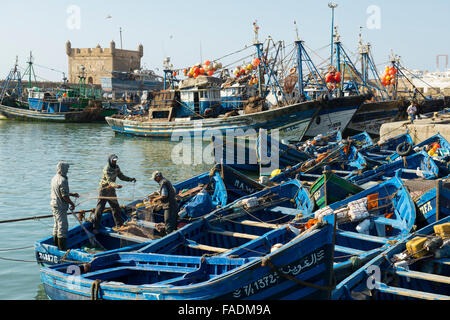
[
  {"x": 60, "y": 201},
  {"x": 108, "y": 194}
]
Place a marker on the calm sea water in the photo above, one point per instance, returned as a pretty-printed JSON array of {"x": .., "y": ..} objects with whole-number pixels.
[{"x": 29, "y": 153}]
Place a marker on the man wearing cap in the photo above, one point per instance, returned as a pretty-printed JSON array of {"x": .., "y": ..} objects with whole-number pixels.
[
  {"x": 108, "y": 194},
  {"x": 60, "y": 201},
  {"x": 167, "y": 195}
]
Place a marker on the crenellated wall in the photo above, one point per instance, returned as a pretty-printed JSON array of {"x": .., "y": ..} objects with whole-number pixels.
[{"x": 100, "y": 62}]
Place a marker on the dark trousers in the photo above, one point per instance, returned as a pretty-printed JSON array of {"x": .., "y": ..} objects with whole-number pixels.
[
  {"x": 171, "y": 218},
  {"x": 113, "y": 203}
]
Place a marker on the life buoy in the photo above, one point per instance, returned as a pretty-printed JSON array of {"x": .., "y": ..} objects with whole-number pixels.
[
  {"x": 404, "y": 149},
  {"x": 293, "y": 70}
]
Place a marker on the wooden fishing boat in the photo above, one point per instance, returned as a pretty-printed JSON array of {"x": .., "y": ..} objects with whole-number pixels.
[
  {"x": 416, "y": 268},
  {"x": 248, "y": 155},
  {"x": 226, "y": 185},
  {"x": 361, "y": 140},
  {"x": 246, "y": 250},
  {"x": 368, "y": 223},
  {"x": 86, "y": 115},
  {"x": 292, "y": 121},
  {"x": 418, "y": 165},
  {"x": 432, "y": 198},
  {"x": 441, "y": 155},
  {"x": 371, "y": 115},
  {"x": 330, "y": 188},
  {"x": 386, "y": 147},
  {"x": 345, "y": 161}
]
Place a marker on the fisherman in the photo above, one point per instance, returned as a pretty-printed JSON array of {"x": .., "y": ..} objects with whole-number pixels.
[
  {"x": 169, "y": 203},
  {"x": 60, "y": 202},
  {"x": 412, "y": 110},
  {"x": 107, "y": 193}
]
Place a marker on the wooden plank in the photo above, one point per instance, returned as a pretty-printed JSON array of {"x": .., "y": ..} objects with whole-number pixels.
[
  {"x": 125, "y": 237},
  {"x": 348, "y": 250},
  {"x": 259, "y": 224},
  {"x": 410, "y": 293},
  {"x": 423, "y": 276},
  {"x": 194, "y": 245},
  {"x": 235, "y": 234},
  {"x": 366, "y": 237},
  {"x": 285, "y": 210}
]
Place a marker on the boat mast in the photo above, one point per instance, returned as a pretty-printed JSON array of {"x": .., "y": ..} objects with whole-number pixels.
[
  {"x": 367, "y": 64},
  {"x": 14, "y": 75},
  {"x": 30, "y": 70},
  {"x": 258, "y": 47},
  {"x": 303, "y": 57},
  {"x": 267, "y": 69},
  {"x": 299, "y": 45},
  {"x": 332, "y": 6}
]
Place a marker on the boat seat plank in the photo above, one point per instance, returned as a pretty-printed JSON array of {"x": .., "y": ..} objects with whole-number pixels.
[
  {"x": 445, "y": 261},
  {"x": 348, "y": 250},
  {"x": 389, "y": 222},
  {"x": 194, "y": 245},
  {"x": 285, "y": 210},
  {"x": 410, "y": 293},
  {"x": 423, "y": 276},
  {"x": 357, "y": 235},
  {"x": 159, "y": 268},
  {"x": 132, "y": 238},
  {"x": 259, "y": 224},
  {"x": 235, "y": 234}
]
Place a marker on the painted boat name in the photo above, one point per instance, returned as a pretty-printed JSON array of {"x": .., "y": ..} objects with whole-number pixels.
[{"x": 272, "y": 278}]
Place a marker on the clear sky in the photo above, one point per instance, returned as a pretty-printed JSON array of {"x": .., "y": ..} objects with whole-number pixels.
[{"x": 190, "y": 30}]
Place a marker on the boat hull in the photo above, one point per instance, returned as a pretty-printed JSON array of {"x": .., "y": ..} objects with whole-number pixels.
[
  {"x": 291, "y": 121},
  {"x": 86, "y": 115},
  {"x": 370, "y": 116},
  {"x": 336, "y": 115},
  {"x": 307, "y": 258}
]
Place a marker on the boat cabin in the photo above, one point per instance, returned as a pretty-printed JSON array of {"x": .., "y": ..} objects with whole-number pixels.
[
  {"x": 199, "y": 101},
  {"x": 44, "y": 101},
  {"x": 233, "y": 97}
]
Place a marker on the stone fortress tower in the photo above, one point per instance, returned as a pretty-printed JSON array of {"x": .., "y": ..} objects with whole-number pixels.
[{"x": 100, "y": 62}]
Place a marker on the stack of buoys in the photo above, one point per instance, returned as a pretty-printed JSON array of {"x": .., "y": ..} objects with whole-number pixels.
[
  {"x": 246, "y": 69},
  {"x": 434, "y": 148},
  {"x": 389, "y": 76},
  {"x": 333, "y": 78},
  {"x": 207, "y": 68}
]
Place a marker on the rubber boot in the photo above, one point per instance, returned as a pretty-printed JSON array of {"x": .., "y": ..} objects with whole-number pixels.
[
  {"x": 62, "y": 243},
  {"x": 55, "y": 240}
]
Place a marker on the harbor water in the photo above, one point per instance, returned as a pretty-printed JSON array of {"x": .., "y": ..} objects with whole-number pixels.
[{"x": 29, "y": 152}]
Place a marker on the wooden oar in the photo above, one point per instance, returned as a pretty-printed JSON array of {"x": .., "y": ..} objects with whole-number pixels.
[{"x": 47, "y": 216}]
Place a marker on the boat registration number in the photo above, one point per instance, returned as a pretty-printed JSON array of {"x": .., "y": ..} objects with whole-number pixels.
[{"x": 51, "y": 258}]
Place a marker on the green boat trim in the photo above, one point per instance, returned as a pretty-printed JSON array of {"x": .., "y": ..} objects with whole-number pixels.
[{"x": 323, "y": 190}]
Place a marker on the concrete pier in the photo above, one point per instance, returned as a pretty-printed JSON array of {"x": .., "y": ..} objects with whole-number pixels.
[{"x": 421, "y": 129}]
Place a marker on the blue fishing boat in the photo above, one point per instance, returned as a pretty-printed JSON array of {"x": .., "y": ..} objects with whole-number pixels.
[
  {"x": 416, "y": 268},
  {"x": 367, "y": 223},
  {"x": 344, "y": 161},
  {"x": 238, "y": 252},
  {"x": 386, "y": 147},
  {"x": 118, "y": 84},
  {"x": 418, "y": 165},
  {"x": 432, "y": 198},
  {"x": 251, "y": 155},
  {"x": 436, "y": 146},
  {"x": 197, "y": 196},
  {"x": 361, "y": 140},
  {"x": 63, "y": 105}
]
